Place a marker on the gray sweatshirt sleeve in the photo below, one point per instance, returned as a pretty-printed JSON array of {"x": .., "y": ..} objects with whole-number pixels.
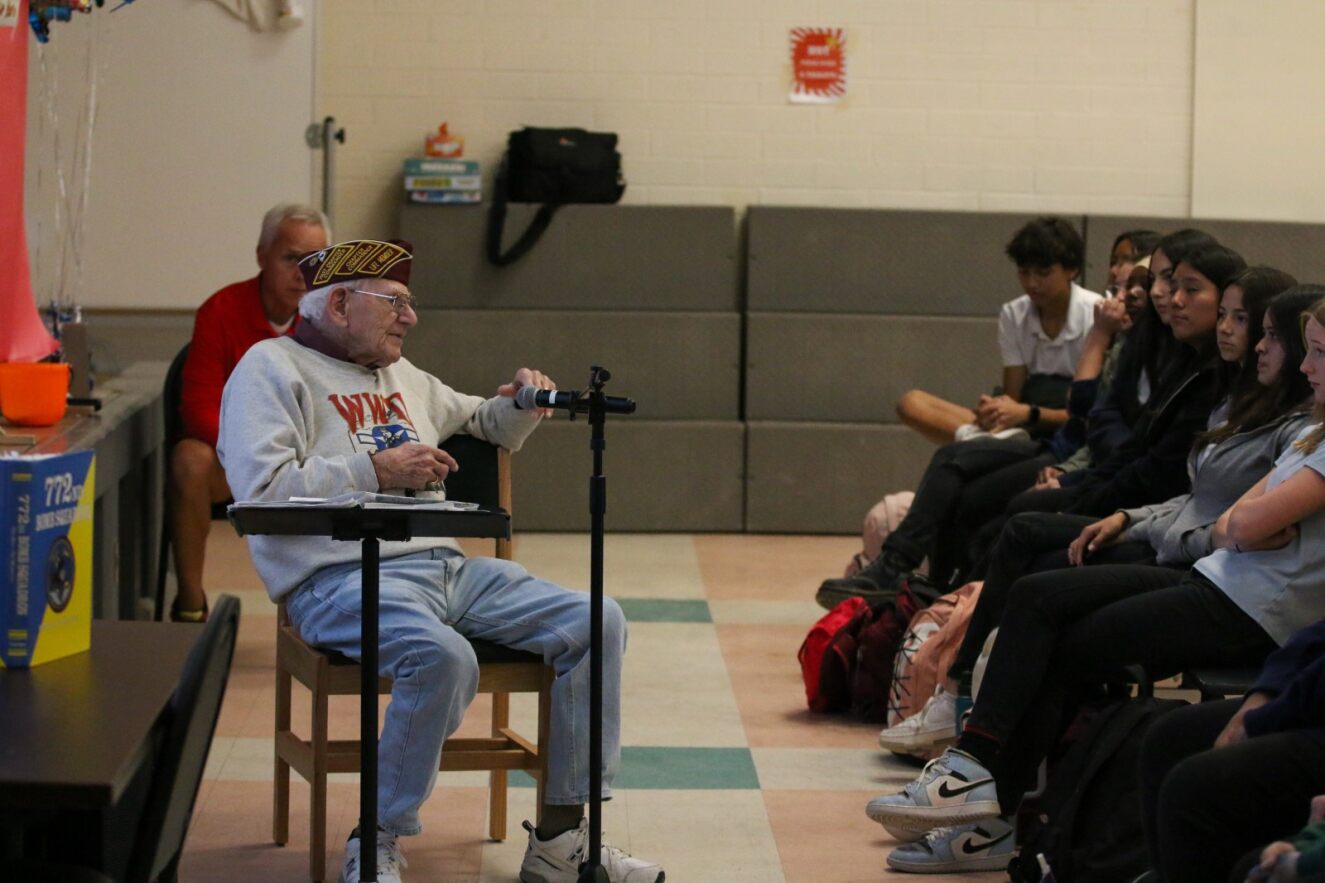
[
  {"x": 498, "y": 421},
  {"x": 263, "y": 444},
  {"x": 1198, "y": 542},
  {"x": 1147, "y": 524},
  {"x": 495, "y": 420}
]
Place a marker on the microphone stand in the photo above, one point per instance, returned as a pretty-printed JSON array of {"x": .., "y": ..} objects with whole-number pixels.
[{"x": 594, "y": 403}]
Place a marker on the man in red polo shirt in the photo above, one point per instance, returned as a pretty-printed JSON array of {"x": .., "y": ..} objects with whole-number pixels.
[{"x": 227, "y": 324}]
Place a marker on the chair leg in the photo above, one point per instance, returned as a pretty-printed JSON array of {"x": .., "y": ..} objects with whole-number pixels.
[
  {"x": 280, "y": 816},
  {"x": 162, "y": 563},
  {"x": 317, "y": 827},
  {"x": 501, "y": 719},
  {"x": 544, "y": 730}
]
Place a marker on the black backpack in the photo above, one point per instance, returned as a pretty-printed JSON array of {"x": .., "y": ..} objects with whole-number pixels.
[
  {"x": 554, "y": 167},
  {"x": 1089, "y": 826}
]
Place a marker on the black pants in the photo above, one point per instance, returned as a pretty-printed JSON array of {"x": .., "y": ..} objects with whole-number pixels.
[
  {"x": 965, "y": 483},
  {"x": 983, "y": 540},
  {"x": 1066, "y": 629},
  {"x": 1031, "y": 542},
  {"x": 1204, "y": 808}
]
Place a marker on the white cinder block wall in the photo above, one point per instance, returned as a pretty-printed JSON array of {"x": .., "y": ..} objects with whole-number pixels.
[{"x": 1000, "y": 105}]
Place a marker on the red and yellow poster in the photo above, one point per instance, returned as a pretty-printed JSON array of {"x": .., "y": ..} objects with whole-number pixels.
[
  {"x": 818, "y": 65},
  {"x": 23, "y": 337}
]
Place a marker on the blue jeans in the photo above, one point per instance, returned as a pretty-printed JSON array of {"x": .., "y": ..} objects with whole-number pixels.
[{"x": 431, "y": 603}]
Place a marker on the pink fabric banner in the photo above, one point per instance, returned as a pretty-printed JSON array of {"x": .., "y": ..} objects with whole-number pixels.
[{"x": 23, "y": 337}]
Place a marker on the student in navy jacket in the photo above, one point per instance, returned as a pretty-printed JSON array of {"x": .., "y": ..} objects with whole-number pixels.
[{"x": 1222, "y": 778}]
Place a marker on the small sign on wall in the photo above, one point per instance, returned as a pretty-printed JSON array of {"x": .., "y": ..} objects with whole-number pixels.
[
  {"x": 8, "y": 13},
  {"x": 818, "y": 65}
]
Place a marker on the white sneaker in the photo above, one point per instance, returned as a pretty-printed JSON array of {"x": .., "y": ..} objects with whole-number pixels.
[
  {"x": 934, "y": 726},
  {"x": 969, "y": 431},
  {"x": 953, "y": 789},
  {"x": 389, "y": 859},
  {"x": 558, "y": 860},
  {"x": 983, "y": 846}
]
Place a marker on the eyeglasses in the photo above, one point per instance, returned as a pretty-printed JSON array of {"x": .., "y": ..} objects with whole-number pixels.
[{"x": 399, "y": 302}]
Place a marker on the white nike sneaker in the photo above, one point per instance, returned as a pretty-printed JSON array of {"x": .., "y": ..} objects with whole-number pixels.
[
  {"x": 558, "y": 860},
  {"x": 953, "y": 788},
  {"x": 389, "y": 859},
  {"x": 934, "y": 726},
  {"x": 982, "y": 846}
]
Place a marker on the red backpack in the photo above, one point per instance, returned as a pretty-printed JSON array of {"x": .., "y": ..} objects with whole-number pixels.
[
  {"x": 852, "y": 670},
  {"x": 814, "y": 648}
]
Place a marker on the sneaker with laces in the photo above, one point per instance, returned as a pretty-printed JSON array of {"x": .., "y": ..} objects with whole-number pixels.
[
  {"x": 953, "y": 788},
  {"x": 389, "y": 858},
  {"x": 877, "y": 582},
  {"x": 934, "y": 726},
  {"x": 558, "y": 860},
  {"x": 982, "y": 846}
]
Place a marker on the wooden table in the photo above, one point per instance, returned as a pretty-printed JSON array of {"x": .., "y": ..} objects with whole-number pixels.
[{"x": 78, "y": 732}]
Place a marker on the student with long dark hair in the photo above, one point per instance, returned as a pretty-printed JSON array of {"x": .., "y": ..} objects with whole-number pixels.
[{"x": 1264, "y": 581}]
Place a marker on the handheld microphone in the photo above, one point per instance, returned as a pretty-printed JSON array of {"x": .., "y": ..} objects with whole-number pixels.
[{"x": 529, "y": 398}]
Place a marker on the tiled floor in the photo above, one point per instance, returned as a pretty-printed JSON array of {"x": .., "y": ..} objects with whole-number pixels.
[{"x": 725, "y": 778}]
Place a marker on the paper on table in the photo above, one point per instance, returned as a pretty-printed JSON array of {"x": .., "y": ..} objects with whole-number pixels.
[{"x": 362, "y": 500}]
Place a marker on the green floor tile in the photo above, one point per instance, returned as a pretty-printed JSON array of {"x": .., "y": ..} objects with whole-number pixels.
[{"x": 664, "y": 610}]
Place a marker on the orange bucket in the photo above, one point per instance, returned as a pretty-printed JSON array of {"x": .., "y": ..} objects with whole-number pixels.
[
  {"x": 5, "y": 368},
  {"x": 34, "y": 394}
]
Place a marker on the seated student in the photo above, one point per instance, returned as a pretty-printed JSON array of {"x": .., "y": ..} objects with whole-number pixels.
[
  {"x": 1129, "y": 247},
  {"x": 1040, "y": 335},
  {"x": 227, "y": 324},
  {"x": 1219, "y": 780},
  {"x": 1263, "y": 582},
  {"x": 1265, "y": 410},
  {"x": 1135, "y": 295},
  {"x": 336, "y": 409}
]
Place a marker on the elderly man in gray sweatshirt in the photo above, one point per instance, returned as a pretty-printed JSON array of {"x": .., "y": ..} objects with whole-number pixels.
[{"x": 335, "y": 409}]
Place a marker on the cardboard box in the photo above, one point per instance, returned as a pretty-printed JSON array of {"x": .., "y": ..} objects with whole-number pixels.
[{"x": 46, "y": 581}]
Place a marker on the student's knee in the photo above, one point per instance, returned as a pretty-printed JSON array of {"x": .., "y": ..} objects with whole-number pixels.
[
  {"x": 192, "y": 465},
  {"x": 911, "y": 404},
  {"x": 1022, "y": 531},
  {"x": 1163, "y": 748},
  {"x": 1191, "y": 784},
  {"x": 1028, "y": 594}
]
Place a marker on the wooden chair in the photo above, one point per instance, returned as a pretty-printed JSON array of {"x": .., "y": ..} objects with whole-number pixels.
[{"x": 484, "y": 478}]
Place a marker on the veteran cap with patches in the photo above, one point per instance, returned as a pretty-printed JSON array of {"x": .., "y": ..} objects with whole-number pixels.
[{"x": 358, "y": 259}]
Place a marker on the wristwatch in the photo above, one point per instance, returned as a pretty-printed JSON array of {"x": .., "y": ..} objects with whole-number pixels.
[{"x": 1034, "y": 416}]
